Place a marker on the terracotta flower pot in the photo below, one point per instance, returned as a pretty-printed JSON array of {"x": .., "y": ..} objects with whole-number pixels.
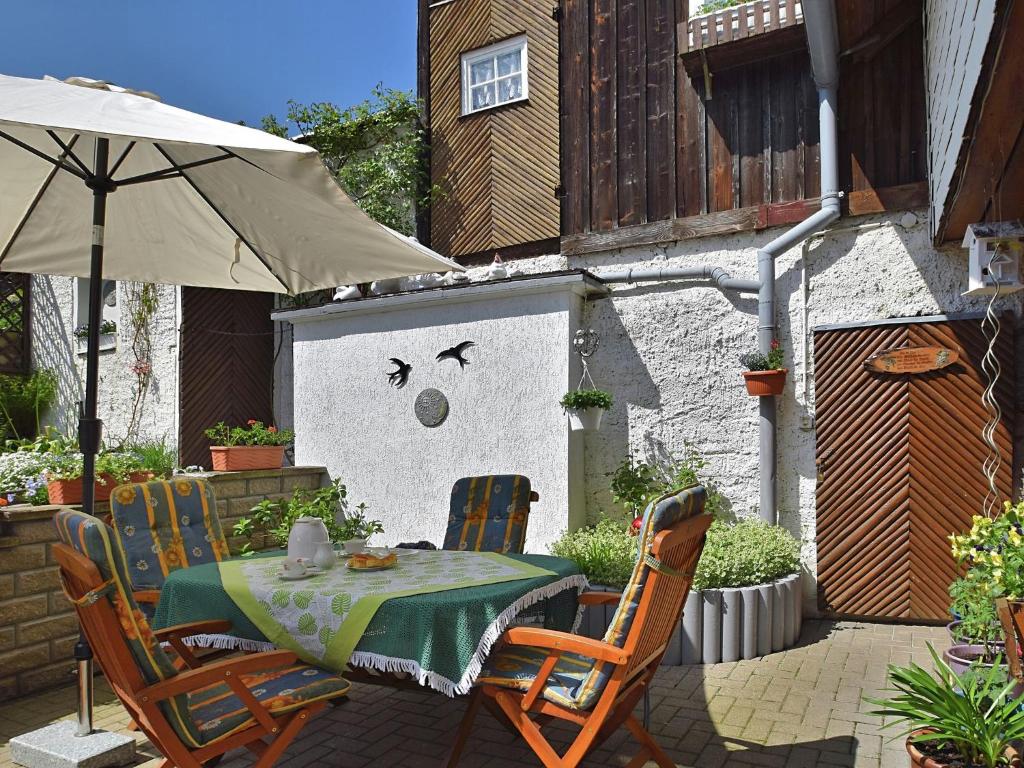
[
  {"x": 234, "y": 458},
  {"x": 70, "y": 491},
  {"x": 918, "y": 760},
  {"x": 766, "y": 383}
]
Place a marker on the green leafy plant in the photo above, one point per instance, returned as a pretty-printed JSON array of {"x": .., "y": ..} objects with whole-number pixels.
[
  {"x": 974, "y": 603},
  {"x": 746, "y": 553},
  {"x": 759, "y": 361},
  {"x": 634, "y": 484},
  {"x": 275, "y": 517},
  {"x": 605, "y": 552},
  {"x": 717, "y": 5},
  {"x": 253, "y": 433},
  {"x": 993, "y": 552},
  {"x": 355, "y": 525},
  {"x": 113, "y": 466},
  {"x": 581, "y": 399},
  {"x": 155, "y": 456},
  {"x": 49, "y": 440},
  {"x": 22, "y": 477},
  {"x": 970, "y": 717},
  {"x": 141, "y": 303},
  {"x": 23, "y": 401},
  {"x": 106, "y": 327}
]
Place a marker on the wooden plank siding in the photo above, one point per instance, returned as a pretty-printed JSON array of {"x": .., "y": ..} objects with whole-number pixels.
[
  {"x": 496, "y": 170},
  {"x": 643, "y": 143}
]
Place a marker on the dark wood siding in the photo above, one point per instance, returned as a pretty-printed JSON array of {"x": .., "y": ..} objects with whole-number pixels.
[
  {"x": 497, "y": 170},
  {"x": 644, "y": 142},
  {"x": 900, "y": 462},
  {"x": 227, "y": 365}
]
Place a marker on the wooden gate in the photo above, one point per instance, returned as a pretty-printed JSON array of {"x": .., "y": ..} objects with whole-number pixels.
[
  {"x": 900, "y": 464},
  {"x": 227, "y": 365}
]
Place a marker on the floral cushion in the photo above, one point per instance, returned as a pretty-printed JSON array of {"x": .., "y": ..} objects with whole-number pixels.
[
  {"x": 517, "y": 667},
  {"x": 217, "y": 712},
  {"x": 94, "y": 539},
  {"x": 489, "y": 514},
  {"x": 164, "y": 526}
]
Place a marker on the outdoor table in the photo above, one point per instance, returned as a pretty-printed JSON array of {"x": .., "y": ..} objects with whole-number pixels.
[{"x": 440, "y": 638}]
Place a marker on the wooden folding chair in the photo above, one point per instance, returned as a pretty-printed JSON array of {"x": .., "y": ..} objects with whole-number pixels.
[
  {"x": 538, "y": 674},
  {"x": 194, "y": 716},
  {"x": 1011, "y": 616},
  {"x": 489, "y": 514}
]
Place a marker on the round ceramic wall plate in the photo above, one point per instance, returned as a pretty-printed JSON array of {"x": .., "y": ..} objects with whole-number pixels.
[{"x": 431, "y": 407}]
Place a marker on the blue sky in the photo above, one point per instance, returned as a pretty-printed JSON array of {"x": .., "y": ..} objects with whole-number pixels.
[{"x": 232, "y": 59}]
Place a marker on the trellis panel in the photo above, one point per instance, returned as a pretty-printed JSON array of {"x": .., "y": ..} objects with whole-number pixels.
[
  {"x": 899, "y": 460},
  {"x": 15, "y": 322}
]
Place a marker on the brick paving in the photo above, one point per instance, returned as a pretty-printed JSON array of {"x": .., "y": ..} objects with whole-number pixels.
[{"x": 798, "y": 708}]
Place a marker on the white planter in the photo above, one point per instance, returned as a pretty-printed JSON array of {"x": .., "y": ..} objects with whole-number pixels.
[
  {"x": 587, "y": 420},
  {"x": 723, "y": 624},
  {"x": 108, "y": 341}
]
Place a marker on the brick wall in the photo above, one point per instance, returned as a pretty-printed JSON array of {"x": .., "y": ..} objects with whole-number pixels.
[{"x": 38, "y": 628}]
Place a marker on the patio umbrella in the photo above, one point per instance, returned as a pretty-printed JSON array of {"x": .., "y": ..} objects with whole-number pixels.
[{"x": 175, "y": 197}]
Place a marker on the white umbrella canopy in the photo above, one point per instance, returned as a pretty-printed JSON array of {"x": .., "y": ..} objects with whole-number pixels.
[{"x": 244, "y": 210}]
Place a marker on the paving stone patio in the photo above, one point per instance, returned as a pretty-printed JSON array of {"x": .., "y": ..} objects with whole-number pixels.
[{"x": 794, "y": 709}]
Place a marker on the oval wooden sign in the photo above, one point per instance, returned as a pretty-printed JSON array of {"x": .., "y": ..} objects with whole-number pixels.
[{"x": 912, "y": 359}]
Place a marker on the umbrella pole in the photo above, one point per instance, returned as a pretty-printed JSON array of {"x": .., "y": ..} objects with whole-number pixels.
[{"x": 90, "y": 428}]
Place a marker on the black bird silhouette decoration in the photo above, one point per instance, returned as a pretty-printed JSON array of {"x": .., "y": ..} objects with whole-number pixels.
[
  {"x": 456, "y": 353},
  {"x": 400, "y": 377}
]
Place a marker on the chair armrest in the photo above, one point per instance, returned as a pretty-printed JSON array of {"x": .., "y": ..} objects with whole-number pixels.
[
  {"x": 211, "y": 627},
  {"x": 220, "y": 672},
  {"x": 566, "y": 643},
  {"x": 147, "y": 596},
  {"x": 599, "y": 598}
]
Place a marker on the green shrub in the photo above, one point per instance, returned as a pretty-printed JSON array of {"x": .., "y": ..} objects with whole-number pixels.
[
  {"x": 634, "y": 484},
  {"x": 156, "y": 457},
  {"x": 581, "y": 399},
  {"x": 746, "y": 553},
  {"x": 23, "y": 401},
  {"x": 604, "y": 552}
]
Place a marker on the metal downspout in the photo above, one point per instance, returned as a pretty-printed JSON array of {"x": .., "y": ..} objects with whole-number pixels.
[{"x": 822, "y": 41}]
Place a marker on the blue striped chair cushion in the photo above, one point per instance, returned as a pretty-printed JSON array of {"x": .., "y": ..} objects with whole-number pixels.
[
  {"x": 517, "y": 667},
  {"x": 489, "y": 514}
]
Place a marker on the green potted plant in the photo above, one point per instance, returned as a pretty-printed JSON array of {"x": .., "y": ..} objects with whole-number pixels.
[
  {"x": 765, "y": 375},
  {"x": 64, "y": 475},
  {"x": 254, "y": 446},
  {"x": 354, "y": 529},
  {"x": 585, "y": 408},
  {"x": 966, "y": 720}
]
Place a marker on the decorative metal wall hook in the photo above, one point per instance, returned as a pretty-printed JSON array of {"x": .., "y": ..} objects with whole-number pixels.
[{"x": 586, "y": 342}]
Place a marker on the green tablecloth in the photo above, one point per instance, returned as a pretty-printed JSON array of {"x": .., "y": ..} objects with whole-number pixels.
[{"x": 415, "y": 634}]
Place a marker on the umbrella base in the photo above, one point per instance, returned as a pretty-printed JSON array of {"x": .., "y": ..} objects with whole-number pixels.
[{"x": 57, "y": 746}]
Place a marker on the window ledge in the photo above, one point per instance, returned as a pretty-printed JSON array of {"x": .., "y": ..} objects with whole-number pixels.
[
  {"x": 108, "y": 343},
  {"x": 496, "y": 108}
]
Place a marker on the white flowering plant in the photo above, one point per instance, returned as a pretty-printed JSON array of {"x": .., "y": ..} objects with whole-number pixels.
[{"x": 23, "y": 477}]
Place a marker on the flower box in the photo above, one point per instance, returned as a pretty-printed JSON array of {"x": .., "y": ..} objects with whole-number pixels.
[
  {"x": 765, "y": 383},
  {"x": 70, "y": 491},
  {"x": 235, "y": 458}
]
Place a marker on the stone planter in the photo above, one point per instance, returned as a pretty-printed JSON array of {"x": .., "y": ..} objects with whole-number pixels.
[
  {"x": 237, "y": 458},
  {"x": 723, "y": 624}
]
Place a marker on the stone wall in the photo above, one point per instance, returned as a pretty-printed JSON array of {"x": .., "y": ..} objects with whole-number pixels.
[{"x": 38, "y": 627}]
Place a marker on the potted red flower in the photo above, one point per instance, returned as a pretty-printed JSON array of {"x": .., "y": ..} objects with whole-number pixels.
[
  {"x": 766, "y": 376},
  {"x": 254, "y": 446}
]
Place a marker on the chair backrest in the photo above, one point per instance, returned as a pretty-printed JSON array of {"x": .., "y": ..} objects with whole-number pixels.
[
  {"x": 489, "y": 514},
  {"x": 1011, "y": 616},
  {"x": 95, "y": 576},
  {"x": 670, "y": 542},
  {"x": 165, "y": 525}
]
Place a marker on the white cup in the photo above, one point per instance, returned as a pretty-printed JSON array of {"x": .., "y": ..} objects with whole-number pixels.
[
  {"x": 293, "y": 566},
  {"x": 354, "y": 546}
]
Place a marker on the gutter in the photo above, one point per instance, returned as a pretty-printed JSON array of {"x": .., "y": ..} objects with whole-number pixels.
[{"x": 823, "y": 44}]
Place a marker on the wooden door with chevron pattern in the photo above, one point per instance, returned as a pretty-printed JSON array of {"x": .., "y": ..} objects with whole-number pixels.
[
  {"x": 226, "y": 365},
  {"x": 900, "y": 464}
]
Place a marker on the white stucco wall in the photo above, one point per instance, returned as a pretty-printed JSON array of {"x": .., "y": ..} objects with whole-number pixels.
[
  {"x": 55, "y": 347},
  {"x": 504, "y": 416}
]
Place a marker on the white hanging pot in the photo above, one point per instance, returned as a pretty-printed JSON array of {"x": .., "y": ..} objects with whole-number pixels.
[{"x": 586, "y": 420}]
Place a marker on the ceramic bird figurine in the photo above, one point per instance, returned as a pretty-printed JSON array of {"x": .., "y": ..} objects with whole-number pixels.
[
  {"x": 456, "y": 353},
  {"x": 398, "y": 378}
]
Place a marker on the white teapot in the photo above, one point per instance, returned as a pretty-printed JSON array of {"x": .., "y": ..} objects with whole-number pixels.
[{"x": 306, "y": 534}]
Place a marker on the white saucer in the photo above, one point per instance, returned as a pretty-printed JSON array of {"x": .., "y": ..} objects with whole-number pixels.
[{"x": 296, "y": 576}]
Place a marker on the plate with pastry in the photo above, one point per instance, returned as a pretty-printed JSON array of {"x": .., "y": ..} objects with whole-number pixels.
[{"x": 370, "y": 561}]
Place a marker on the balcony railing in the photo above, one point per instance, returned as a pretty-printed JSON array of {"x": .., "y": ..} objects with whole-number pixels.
[{"x": 740, "y": 22}]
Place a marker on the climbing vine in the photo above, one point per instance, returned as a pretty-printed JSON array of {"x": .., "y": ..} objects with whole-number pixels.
[{"x": 141, "y": 303}]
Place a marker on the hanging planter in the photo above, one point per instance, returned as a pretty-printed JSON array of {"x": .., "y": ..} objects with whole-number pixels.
[
  {"x": 766, "y": 377},
  {"x": 585, "y": 408}
]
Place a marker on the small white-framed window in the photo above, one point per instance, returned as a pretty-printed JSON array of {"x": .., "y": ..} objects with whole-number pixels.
[
  {"x": 494, "y": 75},
  {"x": 110, "y": 313}
]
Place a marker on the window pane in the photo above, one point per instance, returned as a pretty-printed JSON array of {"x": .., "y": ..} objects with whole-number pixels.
[
  {"x": 483, "y": 96},
  {"x": 510, "y": 62},
  {"x": 481, "y": 71},
  {"x": 510, "y": 88}
]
